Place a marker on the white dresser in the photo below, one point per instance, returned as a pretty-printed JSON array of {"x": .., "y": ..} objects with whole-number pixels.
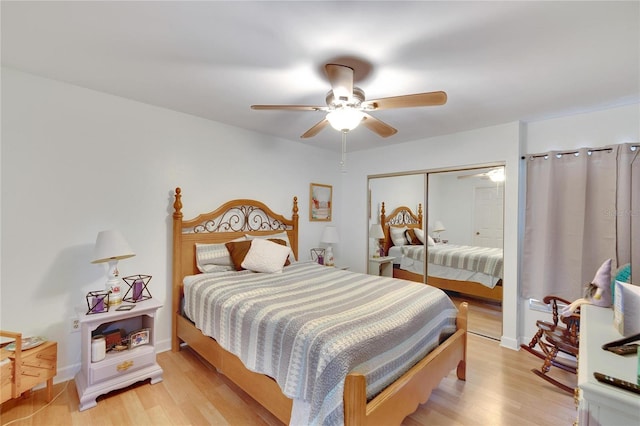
[{"x": 601, "y": 404}]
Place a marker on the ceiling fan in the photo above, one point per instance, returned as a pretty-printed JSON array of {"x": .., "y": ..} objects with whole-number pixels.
[{"x": 346, "y": 105}]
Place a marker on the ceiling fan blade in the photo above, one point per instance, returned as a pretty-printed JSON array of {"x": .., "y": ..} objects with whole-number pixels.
[
  {"x": 377, "y": 126},
  {"x": 290, "y": 107},
  {"x": 406, "y": 101},
  {"x": 315, "y": 129},
  {"x": 341, "y": 79}
]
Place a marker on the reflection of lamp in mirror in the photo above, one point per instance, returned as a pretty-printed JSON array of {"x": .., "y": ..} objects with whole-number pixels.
[
  {"x": 438, "y": 227},
  {"x": 329, "y": 236},
  {"x": 111, "y": 247},
  {"x": 377, "y": 234}
]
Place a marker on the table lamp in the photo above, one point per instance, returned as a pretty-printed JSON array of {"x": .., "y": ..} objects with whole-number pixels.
[
  {"x": 377, "y": 234},
  {"x": 329, "y": 236},
  {"x": 111, "y": 247},
  {"x": 438, "y": 227}
]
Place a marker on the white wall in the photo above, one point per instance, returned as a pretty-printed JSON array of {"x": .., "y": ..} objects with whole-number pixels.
[
  {"x": 76, "y": 161},
  {"x": 452, "y": 201}
]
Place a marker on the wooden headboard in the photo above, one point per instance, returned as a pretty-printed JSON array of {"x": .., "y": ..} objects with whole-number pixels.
[
  {"x": 231, "y": 220},
  {"x": 400, "y": 217}
]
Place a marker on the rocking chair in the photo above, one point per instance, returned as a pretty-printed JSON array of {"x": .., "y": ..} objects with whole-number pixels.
[{"x": 561, "y": 335}]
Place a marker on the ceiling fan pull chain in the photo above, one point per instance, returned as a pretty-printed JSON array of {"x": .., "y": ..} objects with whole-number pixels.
[{"x": 343, "y": 162}]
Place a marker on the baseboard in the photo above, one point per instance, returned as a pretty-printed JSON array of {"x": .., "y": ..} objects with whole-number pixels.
[{"x": 509, "y": 343}]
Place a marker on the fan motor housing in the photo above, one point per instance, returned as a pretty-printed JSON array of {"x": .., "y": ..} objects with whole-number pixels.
[{"x": 355, "y": 101}]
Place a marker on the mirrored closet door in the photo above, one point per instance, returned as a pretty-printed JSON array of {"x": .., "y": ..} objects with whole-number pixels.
[{"x": 452, "y": 224}]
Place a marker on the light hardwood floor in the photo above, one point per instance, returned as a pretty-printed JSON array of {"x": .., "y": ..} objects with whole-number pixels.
[
  {"x": 484, "y": 316},
  {"x": 500, "y": 390}
]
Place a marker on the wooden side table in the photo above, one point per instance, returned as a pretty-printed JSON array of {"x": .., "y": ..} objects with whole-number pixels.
[
  {"x": 22, "y": 369},
  {"x": 381, "y": 266}
]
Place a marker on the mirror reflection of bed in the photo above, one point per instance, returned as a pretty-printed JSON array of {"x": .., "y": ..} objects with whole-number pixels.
[{"x": 464, "y": 259}]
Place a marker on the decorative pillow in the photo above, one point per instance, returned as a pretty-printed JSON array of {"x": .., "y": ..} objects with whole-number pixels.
[
  {"x": 430, "y": 241},
  {"x": 266, "y": 256},
  {"x": 279, "y": 236},
  {"x": 420, "y": 234},
  {"x": 411, "y": 237},
  {"x": 239, "y": 249},
  {"x": 397, "y": 236},
  {"x": 213, "y": 254}
]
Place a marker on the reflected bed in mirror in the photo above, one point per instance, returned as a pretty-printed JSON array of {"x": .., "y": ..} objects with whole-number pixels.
[{"x": 471, "y": 271}]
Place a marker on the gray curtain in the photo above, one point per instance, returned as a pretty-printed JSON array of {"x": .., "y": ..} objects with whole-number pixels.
[{"x": 577, "y": 215}]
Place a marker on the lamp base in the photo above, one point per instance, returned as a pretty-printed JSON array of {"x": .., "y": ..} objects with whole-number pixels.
[
  {"x": 328, "y": 257},
  {"x": 115, "y": 295}
]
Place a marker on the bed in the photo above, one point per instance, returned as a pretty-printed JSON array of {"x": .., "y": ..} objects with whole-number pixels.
[
  {"x": 236, "y": 219},
  {"x": 480, "y": 277}
]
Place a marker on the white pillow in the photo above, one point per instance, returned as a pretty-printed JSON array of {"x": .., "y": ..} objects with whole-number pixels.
[
  {"x": 265, "y": 256},
  {"x": 431, "y": 242},
  {"x": 397, "y": 236},
  {"x": 213, "y": 254},
  {"x": 279, "y": 236},
  {"x": 420, "y": 234}
]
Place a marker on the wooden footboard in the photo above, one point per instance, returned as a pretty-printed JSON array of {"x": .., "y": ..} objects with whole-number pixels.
[
  {"x": 262, "y": 388},
  {"x": 391, "y": 406},
  {"x": 468, "y": 288}
]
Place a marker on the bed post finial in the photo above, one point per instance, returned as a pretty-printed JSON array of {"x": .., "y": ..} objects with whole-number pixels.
[
  {"x": 420, "y": 214},
  {"x": 177, "y": 205},
  {"x": 295, "y": 206},
  {"x": 382, "y": 212}
]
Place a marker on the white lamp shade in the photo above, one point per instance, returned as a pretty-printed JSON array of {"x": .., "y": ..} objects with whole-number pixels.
[
  {"x": 438, "y": 227},
  {"x": 345, "y": 119},
  {"x": 111, "y": 245},
  {"x": 330, "y": 235},
  {"x": 376, "y": 231}
]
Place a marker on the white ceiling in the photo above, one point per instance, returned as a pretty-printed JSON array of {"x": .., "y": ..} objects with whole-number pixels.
[{"x": 498, "y": 62}]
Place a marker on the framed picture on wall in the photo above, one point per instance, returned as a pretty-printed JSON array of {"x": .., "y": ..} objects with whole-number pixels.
[{"x": 320, "y": 202}]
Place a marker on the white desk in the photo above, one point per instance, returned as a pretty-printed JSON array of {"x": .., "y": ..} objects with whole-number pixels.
[{"x": 602, "y": 404}]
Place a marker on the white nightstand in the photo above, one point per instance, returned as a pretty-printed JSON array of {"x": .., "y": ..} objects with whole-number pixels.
[
  {"x": 382, "y": 266},
  {"x": 118, "y": 369}
]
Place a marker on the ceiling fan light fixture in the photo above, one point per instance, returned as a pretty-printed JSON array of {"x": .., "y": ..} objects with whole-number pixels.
[
  {"x": 345, "y": 119},
  {"x": 496, "y": 175}
]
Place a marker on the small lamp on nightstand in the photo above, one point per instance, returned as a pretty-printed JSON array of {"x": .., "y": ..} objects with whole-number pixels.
[
  {"x": 438, "y": 227},
  {"x": 329, "y": 236},
  {"x": 377, "y": 234},
  {"x": 111, "y": 247}
]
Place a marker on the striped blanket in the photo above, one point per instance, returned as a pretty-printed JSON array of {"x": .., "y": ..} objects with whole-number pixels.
[
  {"x": 478, "y": 259},
  {"x": 311, "y": 325}
]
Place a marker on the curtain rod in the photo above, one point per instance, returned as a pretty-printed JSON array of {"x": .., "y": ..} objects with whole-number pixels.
[{"x": 633, "y": 147}]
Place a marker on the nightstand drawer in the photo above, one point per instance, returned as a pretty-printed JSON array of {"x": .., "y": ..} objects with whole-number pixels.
[
  {"x": 121, "y": 363},
  {"x": 38, "y": 365}
]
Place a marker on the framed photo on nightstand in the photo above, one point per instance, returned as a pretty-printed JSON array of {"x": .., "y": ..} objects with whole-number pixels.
[{"x": 139, "y": 338}]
